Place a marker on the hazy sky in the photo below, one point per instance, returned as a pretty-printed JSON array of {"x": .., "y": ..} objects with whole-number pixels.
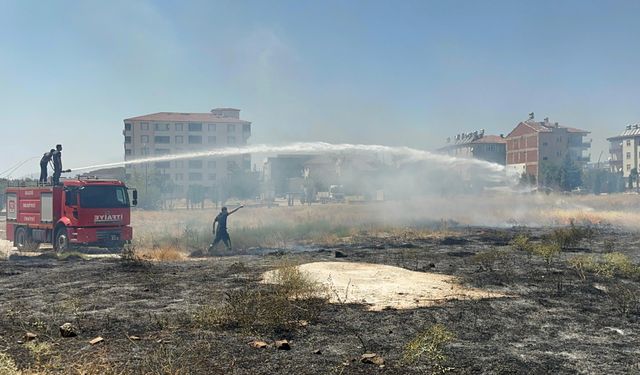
[{"x": 388, "y": 72}]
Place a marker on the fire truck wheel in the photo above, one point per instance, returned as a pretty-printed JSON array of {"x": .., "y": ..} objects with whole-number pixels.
[
  {"x": 24, "y": 242},
  {"x": 61, "y": 243}
]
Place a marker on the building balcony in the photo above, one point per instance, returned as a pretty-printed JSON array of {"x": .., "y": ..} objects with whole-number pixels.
[{"x": 583, "y": 145}]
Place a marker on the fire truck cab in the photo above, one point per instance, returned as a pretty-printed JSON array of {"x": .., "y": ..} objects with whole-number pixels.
[{"x": 77, "y": 213}]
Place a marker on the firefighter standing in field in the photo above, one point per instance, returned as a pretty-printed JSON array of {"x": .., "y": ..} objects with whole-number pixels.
[
  {"x": 44, "y": 165},
  {"x": 221, "y": 234},
  {"x": 57, "y": 165}
]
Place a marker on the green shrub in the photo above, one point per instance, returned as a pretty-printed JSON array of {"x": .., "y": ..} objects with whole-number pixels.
[
  {"x": 522, "y": 243},
  {"x": 607, "y": 265},
  {"x": 618, "y": 264},
  {"x": 430, "y": 344},
  {"x": 583, "y": 264},
  {"x": 569, "y": 237},
  {"x": 548, "y": 252},
  {"x": 487, "y": 259}
]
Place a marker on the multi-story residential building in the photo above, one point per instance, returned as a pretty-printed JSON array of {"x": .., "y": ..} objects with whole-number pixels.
[
  {"x": 532, "y": 143},
  {"x": 477, "y": 145},
  {"x": 624, "y": 150},
  {"x": 170, "y": 133}
]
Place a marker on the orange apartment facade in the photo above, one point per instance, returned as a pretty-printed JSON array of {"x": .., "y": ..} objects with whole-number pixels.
[{"x": 532, "y": 143}]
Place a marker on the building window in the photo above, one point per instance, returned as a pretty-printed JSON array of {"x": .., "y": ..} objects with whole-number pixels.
[
  {"x": 545, "y": 158},
  {"x": 162, "y": 139},
  {"x": 211, "y": 139},
  {"x": 162, "y": 151},
  {"x": 195, "y": 164},
  {"x": 628, "y": 167},
  {"x": 211, "y": 164},
  {"x": 628, "y": 142},
  {"x": 179, "y": 163},
  {"x": 628, "y": 155},
  {"x": 163, "y": 164},
  {"x": 212, "y": 127},
  {"x": 179, "y": 176},
  {"x": 179, "y": 127},
  {"x": 144, "y": 139},
  {"x": 545, "y": 144},
  {"x": 144, "y": 125},
  {"x": 231, "y": 140},
  {"x": 127, "y": 139},
  {"x": 144, "y": 151},
  {"x": 179, "y": 139},
  {"x": 195, "y": 127},
  {"x": 194, "y": 176},
  {"x": 231, "y": 127},
  {"x": 195, "y": 139},
  {"x": 160, "y": 127},
  {"x": 212, "y": 176},
  {"x": 128, "y": 152},
  {"x": 127, "y": 126}
]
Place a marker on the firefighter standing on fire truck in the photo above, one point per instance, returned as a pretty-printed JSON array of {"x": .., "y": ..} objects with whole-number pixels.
[
  {"x": 44, "y": 164},
  {"x": 57, "y": 165}
]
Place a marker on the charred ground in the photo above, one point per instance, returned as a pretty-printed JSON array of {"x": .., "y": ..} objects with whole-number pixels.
[{"x": 150, "y": 314}]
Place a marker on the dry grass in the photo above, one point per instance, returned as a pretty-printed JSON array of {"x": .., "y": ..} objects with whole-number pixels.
[
  {"x": 430, "y": 344},
  {"x": 162, "y": 254},
  {"x": 291, "y": 301},
  {"x": 5, "y": 249},
  {"x": 330, "y": 224},
  {"x": 8, "y": 365}
]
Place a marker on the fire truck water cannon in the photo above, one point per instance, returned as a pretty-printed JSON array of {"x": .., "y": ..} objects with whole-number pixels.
[{"x": 79, "y": 212}]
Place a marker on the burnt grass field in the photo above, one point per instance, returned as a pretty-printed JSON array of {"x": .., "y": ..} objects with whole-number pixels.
[{"x": 166, "y": 317}]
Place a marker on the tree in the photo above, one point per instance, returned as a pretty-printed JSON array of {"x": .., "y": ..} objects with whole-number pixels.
[
  {"x": 153, "y": 187},
  {"x": 196, "y": 195},
  {"x": 570, "y": 175},
  {"x": 242, "y": 184},
  {"x": 549, "y": 175},
  {"x": 565, "y": 177},
  {"x": 633, "y": 177}
]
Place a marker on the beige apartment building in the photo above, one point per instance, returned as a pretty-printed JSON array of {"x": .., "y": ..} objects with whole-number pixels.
[
  {"x": 171, "y": 133},
  {"x": 478, "y": 145},
  {"x": 624, "y": 150}
]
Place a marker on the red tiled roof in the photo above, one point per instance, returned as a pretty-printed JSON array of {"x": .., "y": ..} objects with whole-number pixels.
[
  {"x": 542, "y": 127},
  {"x": 185, "y": 117}
]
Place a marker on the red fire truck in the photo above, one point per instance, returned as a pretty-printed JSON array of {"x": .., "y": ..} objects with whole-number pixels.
[{"x": 79, "y": 212}]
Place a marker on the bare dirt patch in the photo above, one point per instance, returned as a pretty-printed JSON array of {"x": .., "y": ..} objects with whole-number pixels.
[{"x": 380, "y": 286}]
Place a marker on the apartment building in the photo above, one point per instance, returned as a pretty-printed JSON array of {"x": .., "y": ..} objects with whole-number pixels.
[
  {"x": 624, "y": 150},
  {"x": 171, "y": 133},
  {"x": 477, "y": 145},
  {"x": 532, "y": 143}
]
